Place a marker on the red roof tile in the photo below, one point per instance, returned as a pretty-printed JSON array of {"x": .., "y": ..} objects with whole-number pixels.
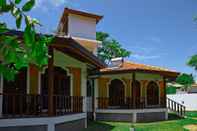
[{"x": 131, "y": 66}]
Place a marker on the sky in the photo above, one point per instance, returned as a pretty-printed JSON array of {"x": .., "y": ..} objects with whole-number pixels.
[{"x": 158, "y": 32}]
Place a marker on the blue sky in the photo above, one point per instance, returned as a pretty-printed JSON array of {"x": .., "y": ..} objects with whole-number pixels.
[{"x": 158, "y": 32}]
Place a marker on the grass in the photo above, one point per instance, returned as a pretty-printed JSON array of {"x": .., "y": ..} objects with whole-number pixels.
[
  {"x": 192, "y": 114},
  {"x": 173, "y": 124},
  {"x": 170, "y": 125}
]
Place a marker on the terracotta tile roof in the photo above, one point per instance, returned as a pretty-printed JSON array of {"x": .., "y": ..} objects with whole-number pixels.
[{"x": 131, "y": 66}]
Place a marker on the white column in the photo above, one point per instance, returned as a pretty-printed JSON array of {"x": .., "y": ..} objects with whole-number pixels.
[
  {"x": 134, "y": 117},
  {"x": 1, "y": 97},
  {"x": 95, "y": 97},
  {"x": 51, "y": 127},
  {"x": 166, "y": 115}
]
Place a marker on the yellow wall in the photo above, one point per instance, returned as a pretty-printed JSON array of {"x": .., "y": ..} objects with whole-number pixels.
[
  {"x": 128, "y": 87},
  {"x": 76, "y": 69},
  {"x": 143, "y": 78},
  {"x": 76, "y": 81},
  {"x": 103, "y": 85}
]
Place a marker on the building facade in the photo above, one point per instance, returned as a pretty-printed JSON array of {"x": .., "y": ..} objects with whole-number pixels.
[{"x": 76, "y": 85}]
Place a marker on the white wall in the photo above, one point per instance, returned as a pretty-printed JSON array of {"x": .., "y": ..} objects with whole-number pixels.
[
  {"x": 188, "y": 100},
  {"x": 80, "y": 26}
]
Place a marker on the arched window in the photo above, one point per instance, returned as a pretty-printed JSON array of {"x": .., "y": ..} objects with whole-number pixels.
[
  {"x": 152, "y": 93},
  {"x": 116, "y": 93}
]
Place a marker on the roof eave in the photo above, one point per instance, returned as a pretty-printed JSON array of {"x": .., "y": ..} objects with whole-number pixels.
[{"x": 166, "y": 74}]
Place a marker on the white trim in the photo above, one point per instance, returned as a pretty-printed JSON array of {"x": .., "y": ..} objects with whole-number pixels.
[
  {"x": 134, "y": 118},
  {"x": 126, "y": 111},
  {"x": 41, "y": 121}
]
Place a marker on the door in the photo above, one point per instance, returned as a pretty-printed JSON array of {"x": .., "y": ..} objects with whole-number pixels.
[{"x": 15, "y": 91}]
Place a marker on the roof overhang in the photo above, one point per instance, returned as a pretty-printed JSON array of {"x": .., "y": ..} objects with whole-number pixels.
[
  {"x": 166, "y": 74},
  {"x": 68, "y": 11},
  {"x": 70, "y": 47},
  {"x": 73, "y": 48}
]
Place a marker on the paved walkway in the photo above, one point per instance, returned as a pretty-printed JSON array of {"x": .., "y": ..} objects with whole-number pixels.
[{"x": 192, "y": 127}]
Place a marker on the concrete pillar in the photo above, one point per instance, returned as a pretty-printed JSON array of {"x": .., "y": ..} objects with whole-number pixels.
[
  {"x": 166, "y": 114},
  {"x": 1, "y": 97},
  {"x": 134, "y": 117},
  {"x": 86, "y": 122},
  {"x": 51, "y": 127}
]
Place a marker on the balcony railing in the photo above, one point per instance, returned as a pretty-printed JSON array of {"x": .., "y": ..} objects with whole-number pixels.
[
  {"x": 176, "y": 107},
  {"x": 125, "y": 103},
  {"x": 23, "y": 105}
]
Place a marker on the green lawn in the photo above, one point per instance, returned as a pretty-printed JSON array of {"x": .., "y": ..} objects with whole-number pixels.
[
  {"x": 173, "y": 124},
  {"x": 176, "y": 124}
]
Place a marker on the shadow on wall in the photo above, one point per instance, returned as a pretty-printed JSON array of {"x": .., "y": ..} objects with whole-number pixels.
[{"x": 173, "y": 116}]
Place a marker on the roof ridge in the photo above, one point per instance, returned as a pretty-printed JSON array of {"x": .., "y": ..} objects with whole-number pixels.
[{"x": 163, "y": 68}]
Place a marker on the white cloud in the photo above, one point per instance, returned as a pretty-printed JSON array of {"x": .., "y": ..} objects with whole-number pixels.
[
  {"x": 145, "y": 57},
  {"x": 155, "y": 39},
  {"x": 45, "y": 5}
]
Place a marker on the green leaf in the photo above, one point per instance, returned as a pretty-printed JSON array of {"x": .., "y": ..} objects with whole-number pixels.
[
  {"x": 3, "y": 28},
  {"x": 6, "y": 8},
  {"x": 29, "y": 36},
  {"x": 2, "y": 3},
  {"x": 15, "y": 12},
  {"x": 18, "y": 21},
  {"x": 28, "y": 6},
  {"x": 17, "y": 1},
  {"x": 35, "y": 22},
  {"x": 27, "y": 20}
]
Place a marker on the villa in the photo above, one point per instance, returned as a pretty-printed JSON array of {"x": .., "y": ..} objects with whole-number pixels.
[{"x": 76, "y": 85}]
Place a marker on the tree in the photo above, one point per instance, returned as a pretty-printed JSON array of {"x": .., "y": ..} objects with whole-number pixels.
[
  {"x": 193, "y": 62},
  {"x": 17, "y": 53},
  {"x": 185, "y": 79},
  {"x": 110, "y": 48}
]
